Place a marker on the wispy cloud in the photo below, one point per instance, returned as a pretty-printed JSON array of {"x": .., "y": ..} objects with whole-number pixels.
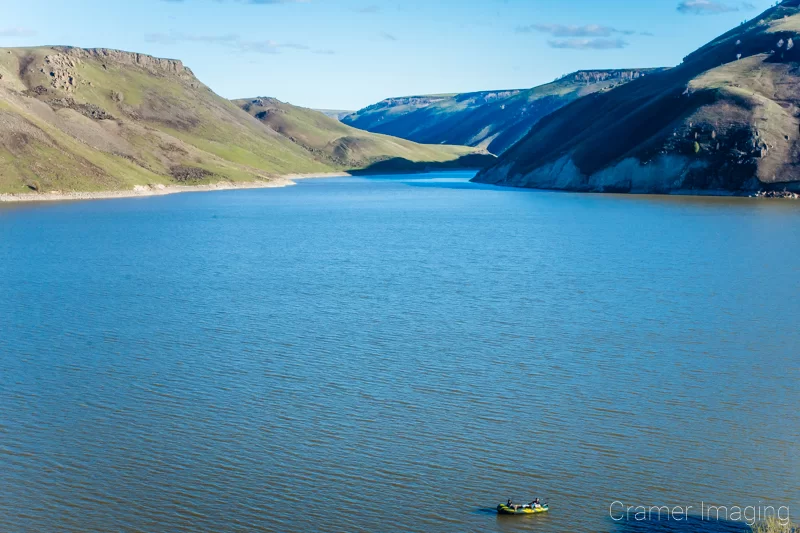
[
  {"x": 588, "y": 44},
  {"x": 16, "y": 32},
  {"x": 710, "y": 7},
  {"x": 388, "y": 36},
  {"x": 560, "y": 30},
  {"x": 232, "y": 40}
]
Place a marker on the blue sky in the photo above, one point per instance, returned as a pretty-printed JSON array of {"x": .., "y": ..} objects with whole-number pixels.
[{"x": 345, "y": 54}]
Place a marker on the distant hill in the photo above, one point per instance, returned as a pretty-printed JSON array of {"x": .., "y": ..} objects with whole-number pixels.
[
  {"x": 342, "y": 146},
  {"x": 335, "y": 113},
  {"x": 492, "y": 120},
  {"x": 74, "y": 119},
  {"x": 726, "y": 119}
]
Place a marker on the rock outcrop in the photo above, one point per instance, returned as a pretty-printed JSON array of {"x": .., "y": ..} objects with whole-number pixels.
[
  {"x": 154, "y": 65},
  {"x": 61, "y": 70},
  {"x": 597, "y": 76}
]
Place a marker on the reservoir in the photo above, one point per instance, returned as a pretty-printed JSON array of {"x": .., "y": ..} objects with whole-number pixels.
[{"x": 395, "y": 354}]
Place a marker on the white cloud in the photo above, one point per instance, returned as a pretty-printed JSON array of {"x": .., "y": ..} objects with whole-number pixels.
[
  {"x": 708, "y": 7},
  {"x": 588, "y": 44},
  {"x": 560, "y": 30}
]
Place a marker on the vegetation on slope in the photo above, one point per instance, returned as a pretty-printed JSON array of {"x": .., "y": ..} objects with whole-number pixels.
[
  {"x": 343, "y": 146},
  {"x": 493, "y": 120},
  {"x": 725, "y": 119},
  {"x": 75, "y": 119}
]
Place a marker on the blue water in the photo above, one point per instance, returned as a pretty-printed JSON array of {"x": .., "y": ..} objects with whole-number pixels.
[{"x": 395, "y": 354}]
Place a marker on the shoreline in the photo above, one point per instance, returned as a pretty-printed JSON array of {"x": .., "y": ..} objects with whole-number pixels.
[
  {"x": 761, "y": 194},
  {"x": 142, "y": 191},
  {"x": 288, "y": 180}
]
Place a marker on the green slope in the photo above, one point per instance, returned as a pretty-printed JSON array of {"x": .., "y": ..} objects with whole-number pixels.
[
  {"x": 493, "y": 120},
  {"x": 343, "y": 146},
  {"x": 726, "y": 119},
  {"x": 75, "y": 119}
]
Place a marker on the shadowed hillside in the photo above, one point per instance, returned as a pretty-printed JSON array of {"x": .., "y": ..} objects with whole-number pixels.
[
  {"x": 726, "y": 119},
  {"x": 74, "y": 119},
  {"x": 493, "y": 120}
]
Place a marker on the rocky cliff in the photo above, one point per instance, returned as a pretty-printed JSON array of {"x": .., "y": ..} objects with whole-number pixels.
[
  {"x": 154, "y": 65},
  {"x": 597, "y": 76}
]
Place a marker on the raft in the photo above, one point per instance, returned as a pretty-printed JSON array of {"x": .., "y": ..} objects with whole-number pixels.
[{"x": 505, "y": 509}]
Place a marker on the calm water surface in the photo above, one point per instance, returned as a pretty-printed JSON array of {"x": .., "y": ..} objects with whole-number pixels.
[{"x": 394, "y": 355}]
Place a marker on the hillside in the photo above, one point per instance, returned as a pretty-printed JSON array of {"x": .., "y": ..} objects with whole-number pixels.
[
  {"x": 342, "y": 146},
  {"x": 725, "y": 120},
  {"x": 492, "y": 120},
  {"x": 75, "y": 119}
]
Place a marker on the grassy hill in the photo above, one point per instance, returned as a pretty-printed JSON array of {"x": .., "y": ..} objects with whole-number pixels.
[
  {"x": 492, "y": 120},
  {"x": 75, "y": 119},
  {"x": 726, "y": 119},
  {"x": 342, "y": 146}
]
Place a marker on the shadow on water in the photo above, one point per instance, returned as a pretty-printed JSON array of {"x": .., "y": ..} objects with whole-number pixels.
[
  {"x": 485, "y": 511},
  {"x": 425, "y": 180},
  {"x": 689, "y": 525}
]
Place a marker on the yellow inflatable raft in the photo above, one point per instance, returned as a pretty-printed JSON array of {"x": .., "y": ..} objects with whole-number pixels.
[{"x": 521, "y": 509}]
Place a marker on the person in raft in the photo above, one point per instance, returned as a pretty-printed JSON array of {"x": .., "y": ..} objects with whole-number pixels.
[
  {"x": 535, "y": 504},
  {"x": 516, "y": 507}
]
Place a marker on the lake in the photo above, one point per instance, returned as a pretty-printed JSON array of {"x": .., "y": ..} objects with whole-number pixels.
[{"x": 395, "y": 354}]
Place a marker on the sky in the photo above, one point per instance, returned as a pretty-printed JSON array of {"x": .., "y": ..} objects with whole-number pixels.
[{"x": 347, "y": 54}]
